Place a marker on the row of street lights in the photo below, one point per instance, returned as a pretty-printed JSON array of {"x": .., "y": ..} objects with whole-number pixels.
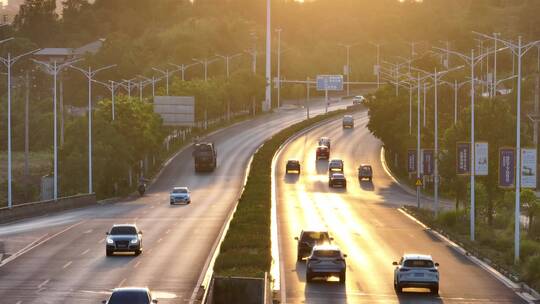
[{"x": 471, "y": 60}]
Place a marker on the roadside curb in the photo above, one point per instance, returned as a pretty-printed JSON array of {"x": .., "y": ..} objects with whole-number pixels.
[{"x": 522, "y": 290}]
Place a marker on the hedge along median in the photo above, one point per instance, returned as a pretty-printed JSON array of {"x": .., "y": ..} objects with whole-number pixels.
[{"x": 246, "y": 248}]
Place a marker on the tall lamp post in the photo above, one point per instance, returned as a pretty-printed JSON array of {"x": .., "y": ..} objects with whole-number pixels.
[
  {"x": 111, "y": 86},
  {"x": 378, "y": 66},
  {"x": 90, "y": 74},
  {"x": 471, "y": 61},
  {"x": 348, "y": 68},
  {"x": 268, "y": 95},
  {"x": 55, "y": 69},
  {"x": 167, "y": 74},
  {"x": 227, "y": 61},
  {"x": 182, "y": 68},
  {"x": 278, "y": 30},
  {"x": 205, "y": 62},
  {"x": 518, "y": 50},
  {"x": 9, "y": 62}
]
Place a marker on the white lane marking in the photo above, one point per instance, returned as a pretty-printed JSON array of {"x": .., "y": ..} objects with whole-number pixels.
[
  {"x": 43, "y": 283},
  {"x": 159, "y": 241},
  {"x": 137, "y": 264},
  {"x": 122, "y": 282},
  {"x": 88, "y": 231},
  {"x": 101, "y": 241},
  {"x": 168, "y": 230},
  {"x": 85, "y": 252},
  {"x": 67, "y": 264},
  {"x": 38, "y": 243}
]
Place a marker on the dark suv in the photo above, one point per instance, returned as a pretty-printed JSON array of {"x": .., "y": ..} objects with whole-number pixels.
[
  {"x": 124, "y": 238},
  {"x": 310, "y": 238},
  {"x": 292, "y": 165}
]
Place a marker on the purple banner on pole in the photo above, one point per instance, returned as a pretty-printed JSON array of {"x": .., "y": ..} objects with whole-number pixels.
[
  {"x": 507, "y": 167},
  {"x": 411, "y": 161},
  {"x": 463, "y": 158},
  {"x": 428, "y": 162}
]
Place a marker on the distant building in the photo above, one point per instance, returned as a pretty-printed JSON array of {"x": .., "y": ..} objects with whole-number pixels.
[{"x": 63, "y": 54}]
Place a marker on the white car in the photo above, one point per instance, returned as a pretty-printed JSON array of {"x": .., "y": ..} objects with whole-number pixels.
[
  {"x": 325, "y": 261},
  {"x": 416, "y": 270},
  {"x": 358, "y": 99},
  {"x": 180, "y": 195}
]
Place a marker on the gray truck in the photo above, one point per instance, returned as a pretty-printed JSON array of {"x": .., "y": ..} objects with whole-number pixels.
[{"x": 205, "y": 156}]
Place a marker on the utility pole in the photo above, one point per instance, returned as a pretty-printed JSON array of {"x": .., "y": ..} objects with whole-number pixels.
[
  {"x": 307, "y": 96},
  {"x": 27, "y": 125}
]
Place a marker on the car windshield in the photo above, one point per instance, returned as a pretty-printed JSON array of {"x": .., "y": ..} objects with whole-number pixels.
[
  {"x": 418, "y": 263},
  {"x": 315, "y": 236},
  {"x": 366, "y": 169},
  {"x": 180, "y": 191},
  {"x": 131, "y": 297},
  {"x": 326, "y": 253},
  {"x": 119, "y": 230}
]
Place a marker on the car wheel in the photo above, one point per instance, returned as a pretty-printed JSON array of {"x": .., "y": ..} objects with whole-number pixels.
[
  {"x": 172, "y": 203},
  {"x": 398, "y": 287},
  {"x": 138, "y": 252},
  {"x": 188, "y": 202},
  {"x": 370, "y": 179},
  {"x": 435, "y": 290},
  {"x": 108, "y": 252},
  {"x": 299, "y": 257},
  {"x": 342, "y": 277}
]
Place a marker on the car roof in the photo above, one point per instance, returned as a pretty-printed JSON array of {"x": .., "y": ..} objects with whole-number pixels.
[
  {"x": 293, "y": 161},
  {"x": 365, "y": 165},
  {"x": 143, "y": 289},
  {"x": 326, "y": 247},
  {"x": 324, "y": 138},
  {"x": 124, "y": 225},
  {"x": 417, "y": 256},
  {"x": 180, "y": 188},
  {"x": 315, "y": 229},
  {"x": 336, "y": 161},
  {"x": 347, "y": 116}
]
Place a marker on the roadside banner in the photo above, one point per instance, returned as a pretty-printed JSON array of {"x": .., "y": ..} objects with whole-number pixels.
[
  {"x": 428, "y": 161},
  {"x": 411, "y": 161},
  {"x": 507, "y": 162},
  {"x": 463, "y": 161},
  {"x": 528, "y": 168},
  {"x": 481, "y": 158}
]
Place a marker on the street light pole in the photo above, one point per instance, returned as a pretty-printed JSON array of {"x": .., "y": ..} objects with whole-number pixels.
[
  {"x": 278, "y": 30},
  {"x": 90, "y": 75},
  {"x": 166, "y": 73},
  {"x": 54, "y": 69},
  {"x": 268, "y": 95}
]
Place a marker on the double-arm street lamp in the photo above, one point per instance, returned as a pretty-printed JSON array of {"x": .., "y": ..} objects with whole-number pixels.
[
  {"x": 55, "y": 69},
  {"x": 347, "y": 69},
  {"x": 182, "y": 68},
  {"x": 90, "y": 74},
  {"x": 111, "y": 86},
  {"x": 9, "y": 61},
  {"x": 167, "y": 73},
  {"x": 205, "y": 62},
  {"x": 227, "y": 59}
]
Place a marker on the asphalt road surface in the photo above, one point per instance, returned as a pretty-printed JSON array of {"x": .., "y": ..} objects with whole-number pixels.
[
  {"x": 366, "y": 224},
  {"x": 63, "y": 256}
]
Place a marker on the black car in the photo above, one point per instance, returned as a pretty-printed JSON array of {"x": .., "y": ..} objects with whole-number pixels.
[
  {"x": 337, "y": 180},
  {"x": 292, "y": 166},
  {"x": 131, "y": 295},
  {"x": 310, "y": 238},
  {"x": 124, "y": 238}
]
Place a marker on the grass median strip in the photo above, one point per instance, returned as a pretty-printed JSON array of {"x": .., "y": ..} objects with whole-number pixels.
[{"x": 246, "y": 249}]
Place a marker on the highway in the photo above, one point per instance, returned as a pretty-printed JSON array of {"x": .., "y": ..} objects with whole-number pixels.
[
  {"x": 365, "y": 221},
  {"x": 61, "y": 258}
]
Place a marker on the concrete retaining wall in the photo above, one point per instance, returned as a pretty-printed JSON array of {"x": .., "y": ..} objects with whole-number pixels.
[{"x": 33, "y": 209}]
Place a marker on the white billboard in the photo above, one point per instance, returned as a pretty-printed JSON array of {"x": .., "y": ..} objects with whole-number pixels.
[
  {"x": 481, "y": 163},
  {"x": 528, "y": 168},
  {"x": 177, "y": 111}
]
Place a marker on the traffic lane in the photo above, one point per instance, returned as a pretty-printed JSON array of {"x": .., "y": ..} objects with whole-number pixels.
[
  {"x": 368, "y": 227},
  {"x": 89, "y": 279},
  {"x": 18, "y": 235}
]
